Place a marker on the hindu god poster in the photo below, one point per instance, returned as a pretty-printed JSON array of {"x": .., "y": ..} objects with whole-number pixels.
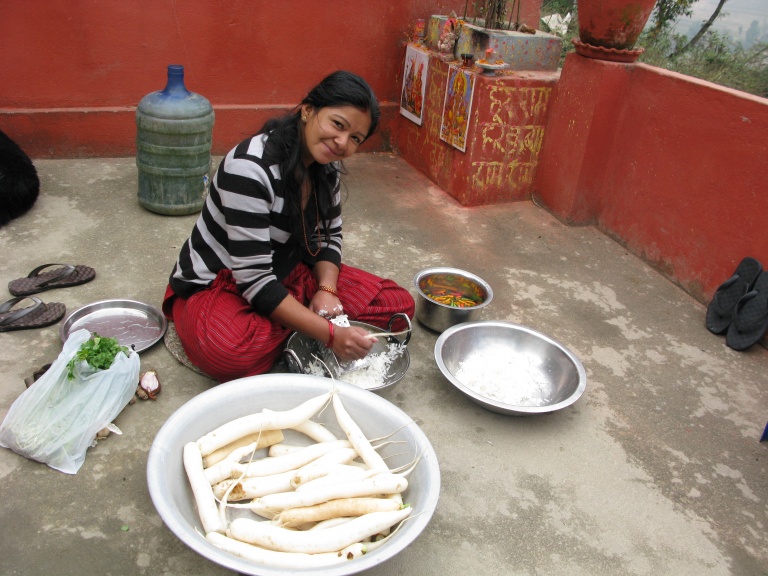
[
  {"x": 414, "y": 84},
  {"x": 457, "y": 107}
]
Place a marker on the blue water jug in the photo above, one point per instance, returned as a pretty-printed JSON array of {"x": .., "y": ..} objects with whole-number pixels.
[{"x": 173, "y": 147}]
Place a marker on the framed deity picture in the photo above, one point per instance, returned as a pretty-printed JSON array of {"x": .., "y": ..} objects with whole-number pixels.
[
  {"x": 414, "y": 84},
  {"x": 457, "y": 107}
]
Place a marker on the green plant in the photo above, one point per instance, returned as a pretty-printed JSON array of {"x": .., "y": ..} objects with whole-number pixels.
[
  {"x": 563, "y": 8},
  {"x": 715, "y": 58},
  {"x": 666, "y": 13},
  {"x": 98, "y": 351}
]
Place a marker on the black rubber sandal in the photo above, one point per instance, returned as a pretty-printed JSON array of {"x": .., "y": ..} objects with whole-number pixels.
[
  {"x": 750, "y": 320},
  {"x": 723, "y": 305}
]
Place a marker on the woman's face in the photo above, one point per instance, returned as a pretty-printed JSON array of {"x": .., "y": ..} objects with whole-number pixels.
[{"x": 333, "y": 133}]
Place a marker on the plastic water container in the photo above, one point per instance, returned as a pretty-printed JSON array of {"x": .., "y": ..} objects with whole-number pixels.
[{"x": 173, "y": 147}]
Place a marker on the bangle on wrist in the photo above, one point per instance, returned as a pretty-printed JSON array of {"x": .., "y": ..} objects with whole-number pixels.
[
  {"x": 330, "y": 337},
  {"x": 328, "y": 289}
]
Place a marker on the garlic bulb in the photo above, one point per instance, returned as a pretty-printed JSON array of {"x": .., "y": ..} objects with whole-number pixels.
[{"x": 149, "y": 385}]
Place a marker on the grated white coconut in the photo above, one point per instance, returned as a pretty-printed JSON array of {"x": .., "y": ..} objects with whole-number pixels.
[{"x": 517, "y": 380}]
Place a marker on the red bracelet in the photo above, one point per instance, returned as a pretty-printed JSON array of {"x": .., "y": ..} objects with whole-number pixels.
[
  {"x": 330, "y": 338},
  {"x": 328, "y": 289}
]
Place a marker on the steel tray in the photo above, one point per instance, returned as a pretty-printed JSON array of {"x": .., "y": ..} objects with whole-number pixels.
[{"x": 131, "y": 323}]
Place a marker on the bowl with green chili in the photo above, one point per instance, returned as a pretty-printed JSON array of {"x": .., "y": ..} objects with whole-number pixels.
[{"x": 449, "y": 296}]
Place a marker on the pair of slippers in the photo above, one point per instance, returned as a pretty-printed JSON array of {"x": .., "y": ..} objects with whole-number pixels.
[
  {"x": 39, "y": 314},
  {"x": 739, "y": 308}
]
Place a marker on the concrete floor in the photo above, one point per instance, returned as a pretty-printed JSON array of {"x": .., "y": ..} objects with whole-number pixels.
[{"x": 656, "y": 470}]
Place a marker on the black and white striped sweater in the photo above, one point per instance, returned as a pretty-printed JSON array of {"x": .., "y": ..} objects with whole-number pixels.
[{"x": 244, "y": 227}]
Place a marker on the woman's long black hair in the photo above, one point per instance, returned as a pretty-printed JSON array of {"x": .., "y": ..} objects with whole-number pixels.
[{"x": 284, "y": 147}]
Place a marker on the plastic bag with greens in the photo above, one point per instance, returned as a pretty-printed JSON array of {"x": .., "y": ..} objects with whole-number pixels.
[{"x": 55, "y": 420}]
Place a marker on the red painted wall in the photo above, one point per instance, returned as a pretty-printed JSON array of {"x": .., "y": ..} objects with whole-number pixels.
[
  {"x": 73, "y": 71},
  {"x": 673, "y": 167}
]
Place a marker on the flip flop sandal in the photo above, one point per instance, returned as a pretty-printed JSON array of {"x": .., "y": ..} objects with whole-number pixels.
[
  {"x": 721, "y": 308},
  {"x": 29, "y": 380},
  {"x": 38, "y": 281},
  {"x": 750, "y": 321},
  {"x": 38, "y": 315}
]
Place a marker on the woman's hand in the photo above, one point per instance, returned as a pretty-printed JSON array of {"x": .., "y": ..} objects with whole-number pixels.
[
  {"x": 351, "y": 343},
  {"x": 326, "y": 304}
]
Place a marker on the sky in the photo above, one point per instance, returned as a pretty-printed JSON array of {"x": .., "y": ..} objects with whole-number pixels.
[{"x": 738, "y": 17}]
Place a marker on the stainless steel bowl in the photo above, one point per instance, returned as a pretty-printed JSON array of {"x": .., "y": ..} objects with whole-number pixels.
[
  {"x": 510, "y": 369},
  {"x": 377, "y": 417},
  {"x": 300, "y": 352},
  {"x": 440, "y": 317}
]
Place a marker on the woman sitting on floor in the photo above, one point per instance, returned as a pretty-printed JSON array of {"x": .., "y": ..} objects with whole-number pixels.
[{"x": 264, "y": 258}]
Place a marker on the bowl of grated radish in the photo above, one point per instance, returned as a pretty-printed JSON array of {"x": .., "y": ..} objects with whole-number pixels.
[
  {"x": 384, "y": 366},
  {"x": 279, "y": 400},
  {"x": 509, "y": 368}
]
